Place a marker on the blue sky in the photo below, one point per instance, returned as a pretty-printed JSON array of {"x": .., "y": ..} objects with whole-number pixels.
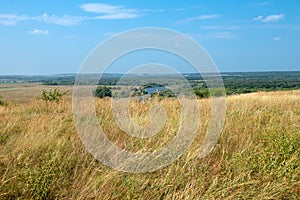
[{"x": 49, "y": 37}]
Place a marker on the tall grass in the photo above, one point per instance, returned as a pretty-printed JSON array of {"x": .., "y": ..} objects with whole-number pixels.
[{"x": 257, "y": 156}]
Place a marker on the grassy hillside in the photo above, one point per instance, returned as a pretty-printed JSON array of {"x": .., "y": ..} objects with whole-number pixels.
[{"x": 257, "y": 156}]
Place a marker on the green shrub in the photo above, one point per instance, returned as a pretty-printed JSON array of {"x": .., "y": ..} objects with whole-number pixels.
[
  {"x": 103, "y": 91},
  {"x": 201, "y": 92},
  {"x": 164, "y": 93},
  {"x": 2, "y": 102},
  {"x": 55, "y": 95}
]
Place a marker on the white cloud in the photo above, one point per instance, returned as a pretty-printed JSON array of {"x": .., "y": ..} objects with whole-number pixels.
[
  {"x": 269, "y": 18},
  {"x": 258, "y": 18},
  {"x": 273, "y": 18},
  {"x": 110, "y": 11},
  {"x": 117, "y": 16},
  {"x": 38, "y": 32},
  {"x": 100, "y": 8},
  {"x": 11, "y": 19},
  {"x": 219, "y": 27},
  {"x": 277, "y": 38},
  {"x": 103, "y": 11},
  {"x": 202, "y": 17},
  {"x": 65, "y": 20},
  {"x": 185, "y": 8}
]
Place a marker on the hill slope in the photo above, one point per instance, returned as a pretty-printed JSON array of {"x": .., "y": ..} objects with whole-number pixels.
[{"x": 257, "y": 156}]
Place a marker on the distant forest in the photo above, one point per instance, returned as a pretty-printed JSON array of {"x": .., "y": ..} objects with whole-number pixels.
[{"x": 234, "y": 82}]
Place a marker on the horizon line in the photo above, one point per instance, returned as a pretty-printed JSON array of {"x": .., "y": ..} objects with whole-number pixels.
[{"x": 221, "y": 72}]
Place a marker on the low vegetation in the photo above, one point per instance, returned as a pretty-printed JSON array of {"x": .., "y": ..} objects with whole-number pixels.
[
  {"x": 164, "y": 93},
  {"x": 2, "y": 102},
  {"x": 103, "y": 91},
  {"x": 52, "y": 95},
  {"x": 256, "y": 157}
]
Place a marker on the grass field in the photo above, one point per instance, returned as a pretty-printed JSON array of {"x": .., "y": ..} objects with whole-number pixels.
[
  {"x": 256, "y": 157},
  {"x": 23, "y": 93}
]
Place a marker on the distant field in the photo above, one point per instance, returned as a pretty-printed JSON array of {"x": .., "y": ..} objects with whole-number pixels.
[
  {"x": 257, "y": 155},
  {"x": 25, "y": 92}
]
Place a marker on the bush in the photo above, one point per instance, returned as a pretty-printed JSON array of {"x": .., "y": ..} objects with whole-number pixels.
[
  {"x": 55, "y": 95},
  {"x": 201, "y": 92},
  {"x": 164, "y": 93},
  {"x": 2, "y": 102},
  {"x": 103, "y": 91}
]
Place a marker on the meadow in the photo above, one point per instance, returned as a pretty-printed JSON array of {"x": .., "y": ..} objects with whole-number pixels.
[{"x": 256, "y": 157}]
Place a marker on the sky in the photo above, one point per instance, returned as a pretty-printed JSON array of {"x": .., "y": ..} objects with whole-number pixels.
[{"x": 52, "y": 37}]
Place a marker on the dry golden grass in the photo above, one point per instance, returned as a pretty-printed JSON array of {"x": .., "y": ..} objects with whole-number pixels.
[
  {"x": 257, "y": 156},
  {"x": 24, "y": 93}
]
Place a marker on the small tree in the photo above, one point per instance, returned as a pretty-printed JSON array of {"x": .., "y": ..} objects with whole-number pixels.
[
  {"x": 55, "y": 95},
  {"x": 103, "y": 91}
]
